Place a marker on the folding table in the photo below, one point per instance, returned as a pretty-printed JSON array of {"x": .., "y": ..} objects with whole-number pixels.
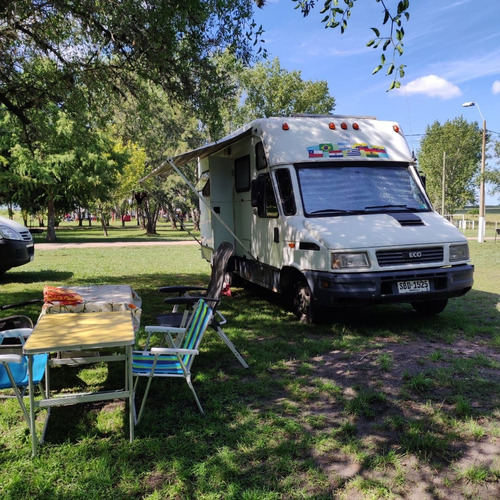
[
  {"x": 100, "y": 298},
  {"x": 81, "y": 332}
]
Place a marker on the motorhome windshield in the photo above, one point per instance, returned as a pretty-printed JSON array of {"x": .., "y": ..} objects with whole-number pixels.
[{"x": 354, "y": 189}]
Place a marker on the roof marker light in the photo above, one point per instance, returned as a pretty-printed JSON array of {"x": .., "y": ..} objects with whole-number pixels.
[
  {"x": 331, "y": 126},
  {"x": 343, "y": 126},
  {"x": 355, "y": 126},
  {"x": 285, "y": 126},
  {"x": 395, "y": 128}
]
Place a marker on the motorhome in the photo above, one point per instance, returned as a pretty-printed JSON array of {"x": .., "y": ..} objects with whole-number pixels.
[{"x": 329, "y": 211}]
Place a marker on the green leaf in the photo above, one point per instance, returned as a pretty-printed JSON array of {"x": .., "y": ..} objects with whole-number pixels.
[
  {"x": 370, "y": 43},
  {"x": 386, "y": 44},
  {"x": 390, "y": 70},
  {"x": 376, "y": 31},
  {"x": 382, "y": 59},
  {"x": 377, "y": 69}
]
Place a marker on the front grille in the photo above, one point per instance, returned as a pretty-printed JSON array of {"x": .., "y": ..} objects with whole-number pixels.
[{"x": 410, "y": 256}]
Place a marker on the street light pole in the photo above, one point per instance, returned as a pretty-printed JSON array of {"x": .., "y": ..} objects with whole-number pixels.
[{"x": 482, "y": 220}]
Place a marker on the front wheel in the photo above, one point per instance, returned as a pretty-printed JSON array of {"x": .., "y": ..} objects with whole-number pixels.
[
  {"x": 430, "y": 307},
  {"x": 303, "y": 303}
]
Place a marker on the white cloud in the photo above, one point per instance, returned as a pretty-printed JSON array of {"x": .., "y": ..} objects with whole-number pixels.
[
  {"x": 432, "y": 86},
  {"x": 496, "y": 87}
]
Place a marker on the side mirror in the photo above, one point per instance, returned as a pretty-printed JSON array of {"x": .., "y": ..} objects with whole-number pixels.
[{"x": 422, "y": 179}]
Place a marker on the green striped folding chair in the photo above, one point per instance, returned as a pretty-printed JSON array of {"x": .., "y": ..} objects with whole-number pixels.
[{"x": 174, "y": 361}]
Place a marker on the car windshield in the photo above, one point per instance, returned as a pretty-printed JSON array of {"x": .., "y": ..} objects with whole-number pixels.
[{"x": 354, "y": 189}]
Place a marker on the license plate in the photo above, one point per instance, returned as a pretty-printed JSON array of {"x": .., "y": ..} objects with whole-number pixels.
[{"x": 414, "y": 286}]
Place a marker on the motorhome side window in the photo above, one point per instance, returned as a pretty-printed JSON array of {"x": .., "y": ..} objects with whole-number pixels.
[
  {"x": 264, "y": 198},
  {"x": 242, "y": 174},
  {"x": 285, "y": 190}
]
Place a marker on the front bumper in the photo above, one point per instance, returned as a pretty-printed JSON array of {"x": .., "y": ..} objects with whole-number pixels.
[
  {"x": 15, "y": 253},
  {"x": 374, "y": 288}
]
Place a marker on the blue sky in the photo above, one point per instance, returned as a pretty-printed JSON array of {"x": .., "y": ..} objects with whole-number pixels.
[{"x": 451, "y": 52}]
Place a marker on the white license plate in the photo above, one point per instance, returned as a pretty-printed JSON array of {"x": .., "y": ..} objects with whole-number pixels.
[{"x": 414, "y": 286}]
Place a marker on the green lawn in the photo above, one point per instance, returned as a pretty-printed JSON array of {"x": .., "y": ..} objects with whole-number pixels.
[{"x": 376, "y": 403}]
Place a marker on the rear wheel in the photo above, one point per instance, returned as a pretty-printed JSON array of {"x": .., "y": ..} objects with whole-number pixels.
[{"x": 430, "y": 307}]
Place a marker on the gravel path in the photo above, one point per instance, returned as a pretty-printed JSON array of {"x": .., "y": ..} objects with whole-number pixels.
[{"x": 55, "y": 246}]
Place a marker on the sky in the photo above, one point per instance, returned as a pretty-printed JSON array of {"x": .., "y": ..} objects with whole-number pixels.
[{"x": 451, "y": 53}]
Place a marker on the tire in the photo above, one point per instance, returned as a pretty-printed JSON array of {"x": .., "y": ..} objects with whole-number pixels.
[
  {"x": 430, "y": 307},
  {"x": 303, "y": 303}
]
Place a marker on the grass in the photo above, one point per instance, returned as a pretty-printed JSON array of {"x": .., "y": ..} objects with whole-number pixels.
[{"x": 371, "y": 404}]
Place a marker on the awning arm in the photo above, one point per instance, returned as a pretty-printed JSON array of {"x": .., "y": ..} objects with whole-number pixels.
[{"x": 202, "y": 200}]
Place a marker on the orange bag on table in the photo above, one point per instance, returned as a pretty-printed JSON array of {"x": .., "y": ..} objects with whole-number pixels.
[{"x": 61, "y": 296}]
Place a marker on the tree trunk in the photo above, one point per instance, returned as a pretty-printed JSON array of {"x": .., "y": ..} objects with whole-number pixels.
[
  {"x": 151, "y": 216},
  {"x": 103, "y": 221},
  {"x": 173, "y": 223},
  {"x": 51, "y": 222},
  {"x": 195, "y": 216}
]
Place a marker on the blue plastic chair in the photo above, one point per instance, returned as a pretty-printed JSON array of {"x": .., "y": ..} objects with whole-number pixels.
[
  {"x": 176, "y": 360},
  {"x": 14, "y": 375}
]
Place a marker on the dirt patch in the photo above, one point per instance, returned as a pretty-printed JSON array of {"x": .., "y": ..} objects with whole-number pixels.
[{"x": 410, "y": 420}]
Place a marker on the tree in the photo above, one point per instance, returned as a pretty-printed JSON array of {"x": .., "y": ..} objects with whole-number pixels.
[
  {"x": 49, "y": 47},
  {"x": 152, "y": 125},
  {"x": 462, "y": 143},
  {"x": 493, "y": 176},
  {"x": 74, "y": 163},
  {"x": 270, "y": 90},
  {"x": 267, "y": 89}
]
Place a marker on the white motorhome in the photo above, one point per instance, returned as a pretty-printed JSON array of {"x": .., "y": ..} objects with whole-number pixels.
[{"x": 330, "y": 211}]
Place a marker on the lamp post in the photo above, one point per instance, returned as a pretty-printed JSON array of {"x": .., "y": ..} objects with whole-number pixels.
[{"x": 482, "y": 221}]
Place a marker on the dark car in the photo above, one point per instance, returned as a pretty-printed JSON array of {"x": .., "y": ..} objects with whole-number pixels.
[{"x": 16, "y": 245}]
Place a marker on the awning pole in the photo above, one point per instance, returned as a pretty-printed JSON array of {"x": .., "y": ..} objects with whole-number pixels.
[{"x": 214, "y": 213}]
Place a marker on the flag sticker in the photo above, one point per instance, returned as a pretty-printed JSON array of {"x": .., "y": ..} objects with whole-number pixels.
[{"x": 345, "y": 150}]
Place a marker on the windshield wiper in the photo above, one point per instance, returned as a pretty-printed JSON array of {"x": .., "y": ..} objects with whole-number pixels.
[
  {"x": 333, "y": 211},
  {"x": 404, "y": 207}
]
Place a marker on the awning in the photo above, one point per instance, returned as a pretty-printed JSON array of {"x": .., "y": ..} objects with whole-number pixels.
[{"x": 202, "y": 152}]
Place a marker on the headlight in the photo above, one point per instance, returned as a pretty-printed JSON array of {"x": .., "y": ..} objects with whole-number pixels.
[
  {"x": 9, "y": 234},
  {"x": 349, "y": 260},
  {"x": 459, "y": 252}
]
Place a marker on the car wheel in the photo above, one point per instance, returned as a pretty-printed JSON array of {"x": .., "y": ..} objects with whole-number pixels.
[{"x": 303, "y": 303}]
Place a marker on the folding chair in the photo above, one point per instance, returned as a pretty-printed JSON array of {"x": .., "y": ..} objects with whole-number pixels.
[
  {"x": 176, "y": 360},
  {"x": 14, "y": 375},
  {"x": 188, "y": 295},
  {"x": 10, "y": 328}
]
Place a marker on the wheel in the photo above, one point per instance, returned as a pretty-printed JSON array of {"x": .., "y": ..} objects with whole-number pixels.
[
  {"x": 430, "y": 307},
  {"x": 303, "y": 303}
]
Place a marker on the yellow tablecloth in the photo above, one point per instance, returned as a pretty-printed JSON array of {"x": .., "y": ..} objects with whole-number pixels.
[
  {"x": 80, "y": 331},
  {"x": 101, "y": 298}
]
